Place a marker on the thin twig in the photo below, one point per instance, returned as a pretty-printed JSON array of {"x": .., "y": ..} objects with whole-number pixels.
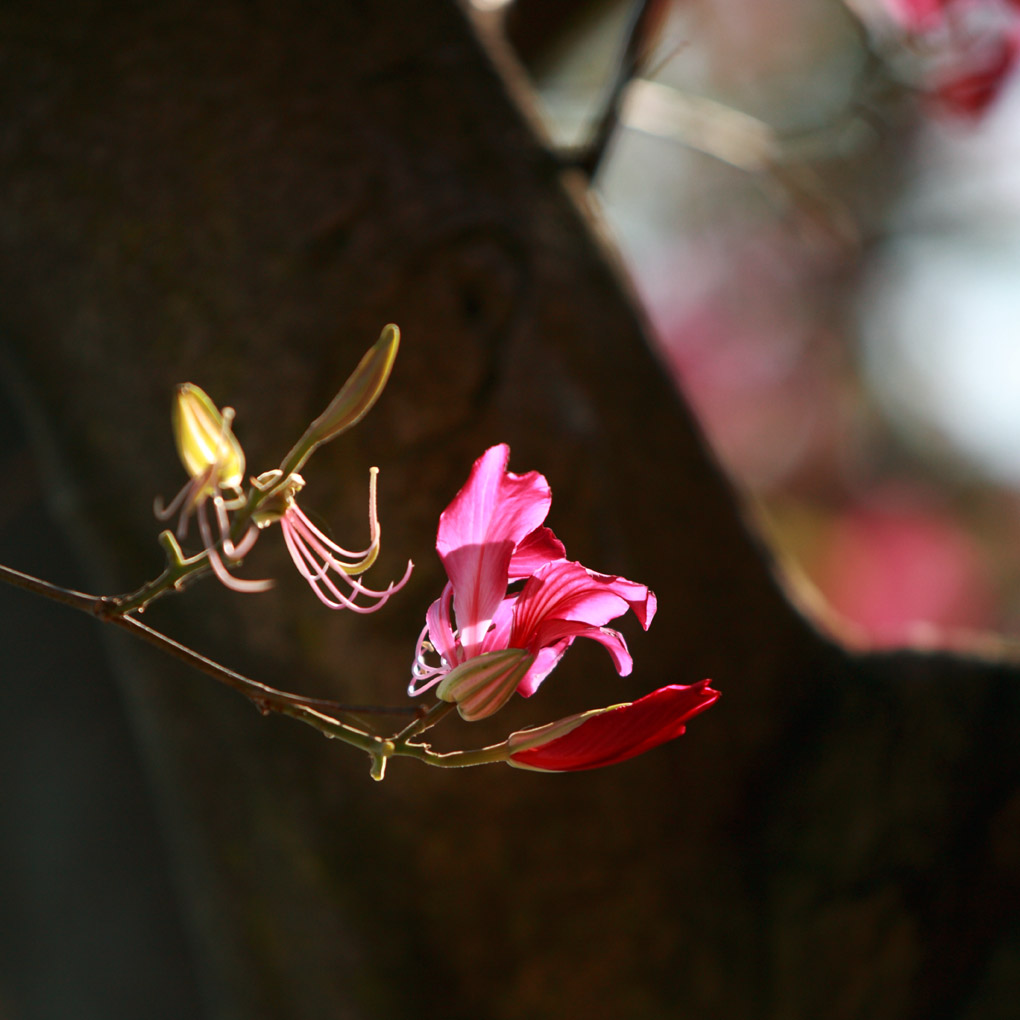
[
  {"x": 269, "y": 699},
  {"x": 633, "y": 55},
  {"x": 66, "y": 596},
  {"x": 264, "y": 697}
]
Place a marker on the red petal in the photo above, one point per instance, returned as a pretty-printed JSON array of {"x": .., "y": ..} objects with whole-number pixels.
[
  {"x": 971, "y": 89},
  {"x": 615, "y": 734}
]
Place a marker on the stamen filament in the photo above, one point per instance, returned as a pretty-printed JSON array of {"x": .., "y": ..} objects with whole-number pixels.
[
  {"x": 242, "y": 548},
  {"x": 297, "y": 523},
  {"x": 301, "y": 548},
  {"x": 295, "y": 511},
  {"x": 218, "y": 568}
]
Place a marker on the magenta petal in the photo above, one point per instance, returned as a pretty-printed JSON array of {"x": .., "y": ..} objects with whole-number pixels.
[
  {"x": 546, "y": 661},
  {"x": 478, "y": 575},
  {"x": 534, "y": 551},
  {"x": 552, "y": 631},
  {"x": 478, "y": 533},
  {"x": 498, "y": 635},
  {"x": 642, "y": 601},
  {"x": 564, "y": 590},
  {"x": 615, "y": 734},
  {"x": 494, "y": 505},
  {"x": 558, "y": 635},
  {"x": 440, "y": 629}
]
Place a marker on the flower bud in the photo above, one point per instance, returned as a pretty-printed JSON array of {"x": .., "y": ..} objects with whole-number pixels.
[
  {"x": 353, "y": 402},
  {"x": 485, "y": 683},
  {"x": 205, "y": 443},
  {"x": 539, "y": 736},
  {"x": 605, "y": 736}
]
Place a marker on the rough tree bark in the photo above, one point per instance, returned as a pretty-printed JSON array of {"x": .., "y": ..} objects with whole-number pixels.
[{"x": 241, "y": 194}]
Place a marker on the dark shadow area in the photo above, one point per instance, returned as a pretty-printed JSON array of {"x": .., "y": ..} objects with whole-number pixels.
[{"x": 90, "y": 924}]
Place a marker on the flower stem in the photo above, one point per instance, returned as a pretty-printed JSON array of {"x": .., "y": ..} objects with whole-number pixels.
[
  {"x": 173, "y": 578},
  {"x": 264, "y": 697},
  {"x": 440, "y": 710},
  {"x": 454, "y": 759},
  {"x": 311, "y": 711},
  {"x": 66, "y": 596}
]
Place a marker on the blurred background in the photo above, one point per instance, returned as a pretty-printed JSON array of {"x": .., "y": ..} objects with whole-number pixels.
[{"x": 818, "y": 204}]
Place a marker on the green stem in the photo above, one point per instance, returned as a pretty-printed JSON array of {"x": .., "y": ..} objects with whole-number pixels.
[
  {"x": 454, "y": 759},
  {"x": 298, "y": 456},
  {"x": 173, "y": 578},
  {"x": 374, "y": 745},
  {"x": 440, "y": 710}
]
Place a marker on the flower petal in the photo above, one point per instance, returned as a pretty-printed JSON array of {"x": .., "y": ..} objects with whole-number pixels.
[
  {"x": 561, "y": 634},
  {"x": 440, "y": 629},
  {"x": 610, "y": 735},
  {"x": 564, "y": 590},
  {"x": 534, "y": 551},
  {"x": 478, "y": 532},
  {"x": 547, "y": 659}
]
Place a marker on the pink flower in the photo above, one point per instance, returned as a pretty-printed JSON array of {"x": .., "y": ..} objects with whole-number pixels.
[
  {"x": 490, "y": 536},
  {"x": 963, "y": 51},
  {"x": 607, "y": 736},
  {"x": 917, "y": 15},
  {"x": 970, "y": 87}
]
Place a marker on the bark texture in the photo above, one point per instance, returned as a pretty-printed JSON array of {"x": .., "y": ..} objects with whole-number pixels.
[{"x": 241, "y": 194}]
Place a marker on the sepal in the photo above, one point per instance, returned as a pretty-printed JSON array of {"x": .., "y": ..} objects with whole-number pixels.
[{"x": 485, "y": 683}]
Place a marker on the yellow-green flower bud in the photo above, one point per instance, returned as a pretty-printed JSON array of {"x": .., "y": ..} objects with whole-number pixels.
[
  {"x": 354, "y": 400},
  {"x": 205, "y": 443}
]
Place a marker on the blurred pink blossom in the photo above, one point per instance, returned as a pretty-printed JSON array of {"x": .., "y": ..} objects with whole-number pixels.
[{"x": 899, "y": 566}]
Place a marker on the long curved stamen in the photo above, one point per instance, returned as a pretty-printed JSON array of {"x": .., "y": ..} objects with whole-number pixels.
[
  {"x": 191, "y": 503},
  {"x": 294, "y": 511},
  {"x": 242, "y": 548},
  {"x": 362, "y": 559},
  {"x": 221, "y": 572},
  {"x": 303, "y": 549},
  {"x": 316, "y": 575},
  {"x": 236, "y": 502},
  {"x": 296, "y": 522},
  {"x": 187, "y": 500},
  {"x": 422, "y": 669},
  {"x": 164, "y": 513}
]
